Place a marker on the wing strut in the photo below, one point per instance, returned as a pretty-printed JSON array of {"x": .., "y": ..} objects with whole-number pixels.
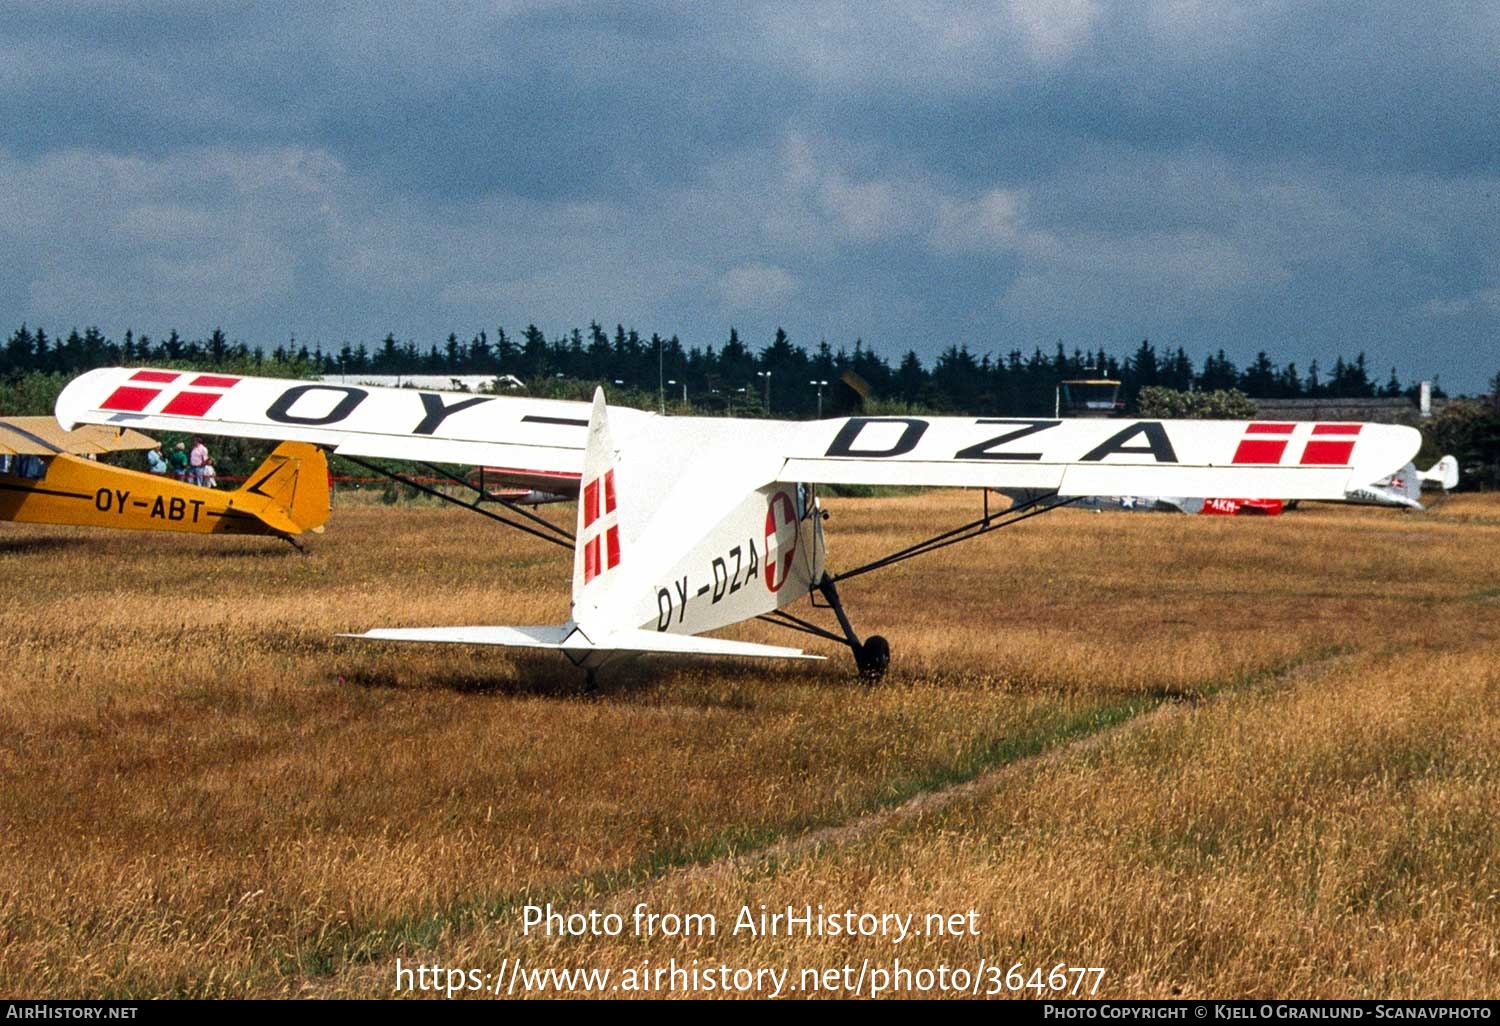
[
  {"x": 782, "y": 618},
  {"x": 558, "y": 536},
  {"x": 873, "y": 655},
  {"x": 973, "y": 529}
]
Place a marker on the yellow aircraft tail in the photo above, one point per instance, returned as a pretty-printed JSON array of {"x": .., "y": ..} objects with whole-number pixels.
[{"x": 289, "y": 491}]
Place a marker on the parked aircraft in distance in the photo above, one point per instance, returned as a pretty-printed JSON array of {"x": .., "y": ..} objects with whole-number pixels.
[
  {"x": 46, "y": 477},
  {"x": 1404, "y": 487},
  {"x": 523, "y": 489},
  {"x": 689, "y": 524},
  {"x": 1158, "y": 504}
]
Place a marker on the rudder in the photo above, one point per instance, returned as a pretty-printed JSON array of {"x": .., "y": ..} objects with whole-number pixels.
[
  {"x": 295, "y": 479},
  {"x": 597, "y": 549}
]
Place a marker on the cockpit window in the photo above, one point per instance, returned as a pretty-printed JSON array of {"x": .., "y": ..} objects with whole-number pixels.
[{"x": 30, "y": 467}]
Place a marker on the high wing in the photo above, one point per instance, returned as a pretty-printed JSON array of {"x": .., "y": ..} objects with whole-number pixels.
[
  {"x": 539, "y": 436},
  {"x": 40, "y": 436},
  {"x": 1104, "y": 456},
  {"x": 1291, "y": 460}
]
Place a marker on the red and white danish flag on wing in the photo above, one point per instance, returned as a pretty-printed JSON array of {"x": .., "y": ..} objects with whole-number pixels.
[
  {"x": 1314, "y": 445},
  {"x": 601, "y": 537},
  {"x": 170, "y": 393}
]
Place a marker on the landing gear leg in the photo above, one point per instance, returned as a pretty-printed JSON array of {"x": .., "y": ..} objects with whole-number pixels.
[
  {"x": 590, "y": 680},
  {"x": 871, "y": 656}
]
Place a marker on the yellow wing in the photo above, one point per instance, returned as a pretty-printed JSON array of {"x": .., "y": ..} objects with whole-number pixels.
[{"x": 42, "y": 436}]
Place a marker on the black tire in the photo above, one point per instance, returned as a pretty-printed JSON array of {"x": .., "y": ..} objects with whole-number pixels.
[{"x": 873, "y": 658}]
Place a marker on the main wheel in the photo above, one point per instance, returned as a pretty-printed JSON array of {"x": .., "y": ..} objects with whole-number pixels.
[{"x": 872, "y": 658}]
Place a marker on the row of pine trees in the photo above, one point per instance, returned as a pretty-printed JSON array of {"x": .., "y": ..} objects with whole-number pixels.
[{"x": 733, "y": 374}]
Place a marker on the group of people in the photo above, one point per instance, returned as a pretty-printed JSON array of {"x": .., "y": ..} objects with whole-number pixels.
[{"x": 193, "y": 466}]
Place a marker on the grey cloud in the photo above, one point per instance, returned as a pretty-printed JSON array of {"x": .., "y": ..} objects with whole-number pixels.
[{"x": 1299, "y": 178}]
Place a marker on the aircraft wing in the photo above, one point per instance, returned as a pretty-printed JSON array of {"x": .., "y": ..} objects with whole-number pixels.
[
  {"x": 543, "y": 436},
  {"x": 1281, "y": 459},
  {"x": 41, "y": 436},
  {"x": 1290, "y": 460}
]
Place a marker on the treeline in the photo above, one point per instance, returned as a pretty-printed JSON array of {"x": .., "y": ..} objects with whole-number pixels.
[{"x": 733, "y": 374}]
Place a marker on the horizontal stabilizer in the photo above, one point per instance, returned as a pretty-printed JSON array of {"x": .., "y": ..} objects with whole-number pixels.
[
  {"x": 511, "y": 637},
  {"x": 569, "y": 639},
  {"x": 691, "y": 644}
]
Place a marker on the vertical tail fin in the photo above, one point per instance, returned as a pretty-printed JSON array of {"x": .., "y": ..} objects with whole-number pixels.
[
  {"x": 596, "y": 550},
  {"x": 1444, "y": 472},
  {"x": 289, "y": 491}
]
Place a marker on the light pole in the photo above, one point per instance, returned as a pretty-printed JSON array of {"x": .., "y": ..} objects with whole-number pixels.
[
  {"x": 661, "y": 391},
  {"x": 821, "y": 385},
  {"x": 767, "y": 375}
]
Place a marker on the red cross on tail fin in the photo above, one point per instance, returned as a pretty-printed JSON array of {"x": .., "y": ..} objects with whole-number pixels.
[{"x": 596, "y": 550}]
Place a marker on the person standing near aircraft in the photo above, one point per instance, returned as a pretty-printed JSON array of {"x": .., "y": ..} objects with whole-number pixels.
[
  {"x": 156, "y": 463},
  {"x": 196, "y": 459},
  {"x": 179, "y": 462},
  {"x": 210, "y": 475}
]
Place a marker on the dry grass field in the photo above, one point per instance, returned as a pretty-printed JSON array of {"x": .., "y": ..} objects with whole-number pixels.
[{"x": 1213, "y": 757}]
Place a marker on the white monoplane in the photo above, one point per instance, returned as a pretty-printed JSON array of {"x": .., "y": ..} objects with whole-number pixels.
[{"x": 689, "y": 524}]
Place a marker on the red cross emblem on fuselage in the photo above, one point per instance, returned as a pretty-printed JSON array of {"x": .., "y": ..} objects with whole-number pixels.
[{"x": 781, "y": 539}]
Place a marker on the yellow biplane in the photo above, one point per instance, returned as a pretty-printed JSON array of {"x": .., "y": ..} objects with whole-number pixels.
[{"x": 48, "y": 476}]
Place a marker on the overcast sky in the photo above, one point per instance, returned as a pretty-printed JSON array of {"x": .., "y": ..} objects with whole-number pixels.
[{"x": 1308, "y": 179}]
